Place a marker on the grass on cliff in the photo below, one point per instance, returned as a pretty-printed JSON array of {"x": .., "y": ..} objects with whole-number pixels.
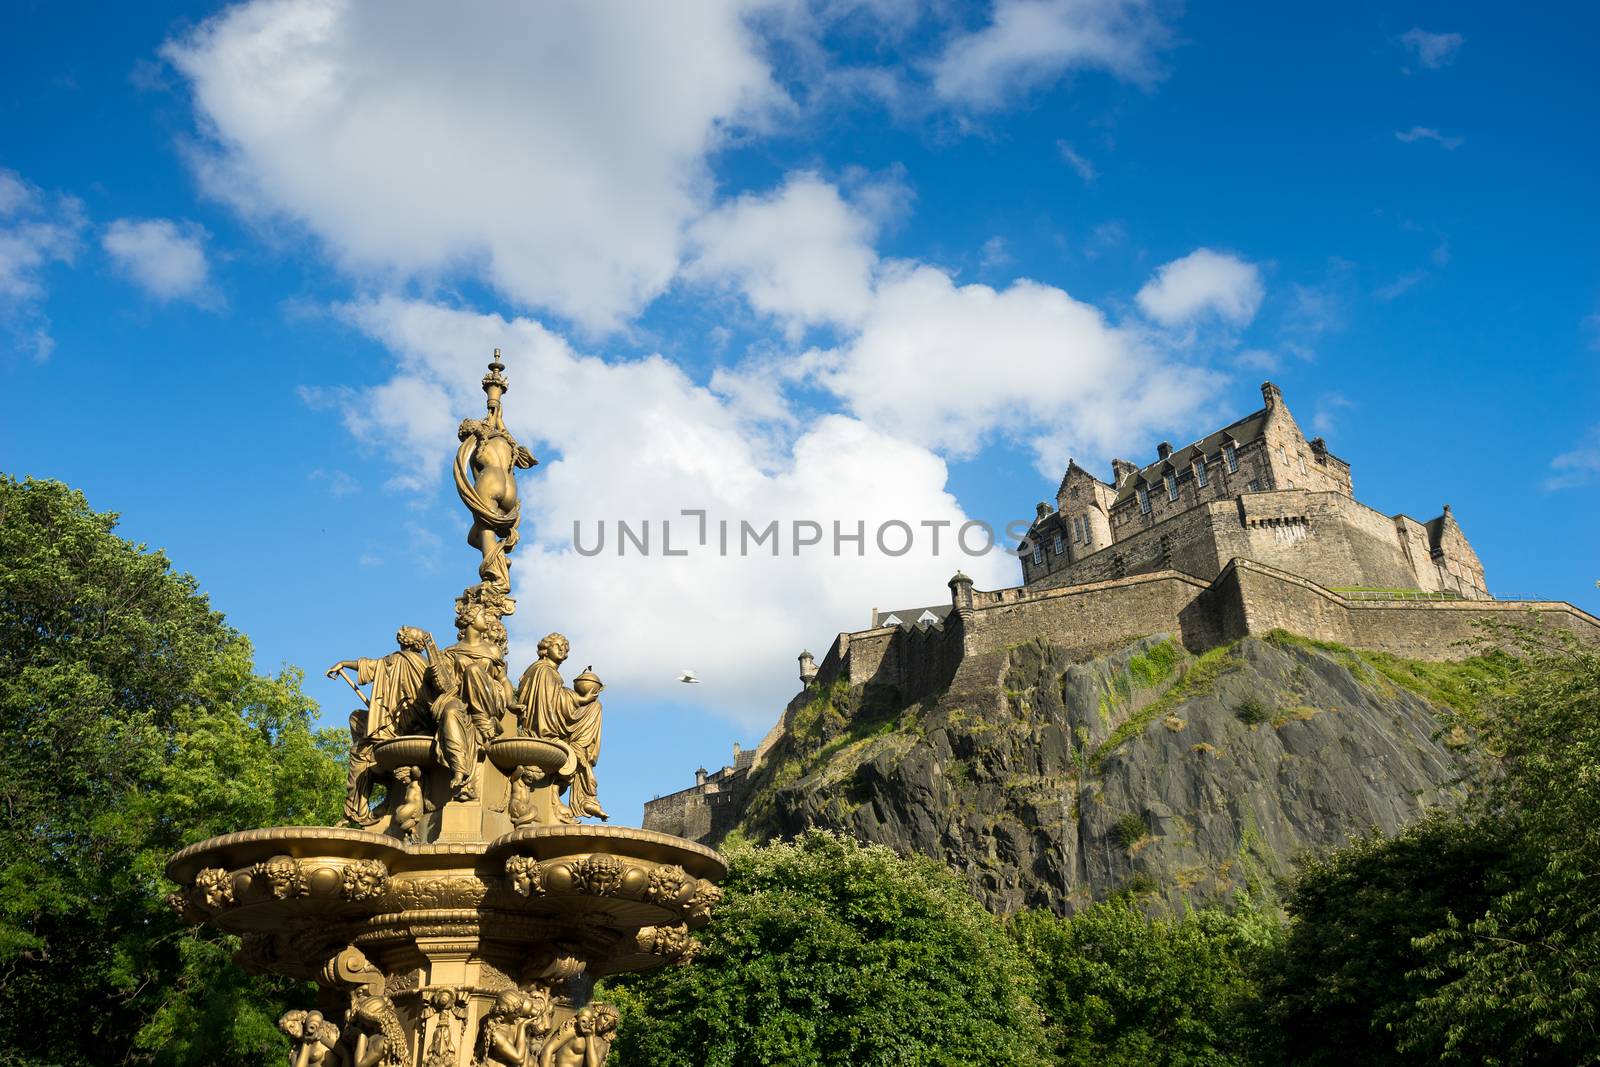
[
  {"x": 1197, "y": 679},
  {"x": 1146, "y": 670},
  {"x": 831, "y": 721},
  {"x": 1462, "y": 685}
]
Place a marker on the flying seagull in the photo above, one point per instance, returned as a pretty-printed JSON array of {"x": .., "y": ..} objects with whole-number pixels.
[{"x": 688, "y": 678}]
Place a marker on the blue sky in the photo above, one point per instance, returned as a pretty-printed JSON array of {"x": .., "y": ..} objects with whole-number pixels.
[{"x": 807, "y": 262}]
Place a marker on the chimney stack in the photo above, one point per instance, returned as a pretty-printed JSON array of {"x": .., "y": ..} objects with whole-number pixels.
[
  {"x": 1041, "y": 510},
  {"x": 1164, "y": 449},
  {"x": 1121, "y": 471},
  {"x": 1271, "y": 394}
]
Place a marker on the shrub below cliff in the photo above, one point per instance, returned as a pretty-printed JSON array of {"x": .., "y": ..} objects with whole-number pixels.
[{"x": 827, "y": 952}]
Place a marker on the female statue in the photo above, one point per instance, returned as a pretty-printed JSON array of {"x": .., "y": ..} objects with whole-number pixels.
[
  {"x": 550, "y": 709},
  {"x": 382, "y": 1040},
  {"x": 485, "y": 474},
  {"x": 396, "y": 681},
  {"x": 583, "y": 1040},
  {"x": 469, "y": 692}
]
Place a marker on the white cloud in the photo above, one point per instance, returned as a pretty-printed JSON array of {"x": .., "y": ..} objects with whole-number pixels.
[
  {"x": 1401, "y": 285},
  {"x": 1076, "y": 161},
  {"x": 1580, "y": 466},
  {"x": 1203, "y": 283},
  {"x": 1030, "y": 43},
  {"x": 36, "y": 231},
  {"x": 1427, "y": 133},
  {"x": 800, "y": 253},
  {"x": 165, "y": 258},
  {"x": 950, "y": 367},
  {"x": 555, "y": 151},
  {"x": 1432, "y": 50},
  {"x": 637, "y": 439}
]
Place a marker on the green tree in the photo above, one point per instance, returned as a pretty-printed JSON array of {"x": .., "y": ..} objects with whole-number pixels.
[
  {"x": 131, "y": 723},
  {"x": 1473, "y": 937},
  {"x": 1518, "y": 982},
  {"x": 1120, "y": 988},
  {"x": 1346, "y": 979},
  {"x": 828, "y": 952}
]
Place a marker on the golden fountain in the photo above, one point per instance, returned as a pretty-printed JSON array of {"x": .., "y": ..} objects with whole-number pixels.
[{"x": 462, "y": 913}]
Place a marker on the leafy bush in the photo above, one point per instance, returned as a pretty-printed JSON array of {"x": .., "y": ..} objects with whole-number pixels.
[
  {"x": 1120, "y": 989},
  {"x": 1252, "y": 712},
  {"x": 828, "y": 952}
]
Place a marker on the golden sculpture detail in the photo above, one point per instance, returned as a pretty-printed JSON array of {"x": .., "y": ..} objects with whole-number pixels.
[
  {"x": 462, "y": 914},
  {"x": 485, "y": 474},
  {"x": 461, "y": 696}
]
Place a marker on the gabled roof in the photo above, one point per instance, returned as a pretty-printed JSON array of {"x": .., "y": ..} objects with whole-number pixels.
[
  {"x": 1242, "y": 432},
  {"x": 938, "y": 613},
  {"x": 1072, "y": 465}
]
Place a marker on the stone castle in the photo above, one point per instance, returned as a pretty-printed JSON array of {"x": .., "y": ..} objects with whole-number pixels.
[
  {"x": 1255, "y": 489},
  {"x": 1250, "y": 529}
]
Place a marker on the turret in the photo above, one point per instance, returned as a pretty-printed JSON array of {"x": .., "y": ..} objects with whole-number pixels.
[{"x": 808, "y": 667}]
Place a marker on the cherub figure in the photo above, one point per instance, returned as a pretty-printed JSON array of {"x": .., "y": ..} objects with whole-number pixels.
[{"x": 406, "y": 804}]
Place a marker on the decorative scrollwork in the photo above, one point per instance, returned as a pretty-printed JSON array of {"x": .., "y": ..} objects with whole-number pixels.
[
  {"x": 424, "y": 893},
  {"x": 364, "y": 880}
]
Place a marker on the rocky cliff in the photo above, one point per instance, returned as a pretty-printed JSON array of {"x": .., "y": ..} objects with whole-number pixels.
[{"x": 1053, "y": 780}]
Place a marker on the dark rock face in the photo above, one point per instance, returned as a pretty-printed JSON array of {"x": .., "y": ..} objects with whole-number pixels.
[{"x": 1053, "y": 783}]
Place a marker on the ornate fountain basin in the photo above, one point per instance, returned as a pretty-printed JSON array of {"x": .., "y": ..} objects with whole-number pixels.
[{"x": 540, "y": 903}]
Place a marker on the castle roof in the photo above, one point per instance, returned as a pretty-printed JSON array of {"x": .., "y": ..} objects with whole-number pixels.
[
  {"x": 908, "y": 618},
  {"x": 1241, "y": 432}
]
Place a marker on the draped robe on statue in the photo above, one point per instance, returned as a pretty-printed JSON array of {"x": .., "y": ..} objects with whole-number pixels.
[
  {"x": 396, "y": 682},
  {"x": 483, "y": 694},
  {"x": 550, "y": 709}
]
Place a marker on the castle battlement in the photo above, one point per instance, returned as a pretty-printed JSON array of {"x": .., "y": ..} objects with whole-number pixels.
[{"x": 1256, "y": 489}]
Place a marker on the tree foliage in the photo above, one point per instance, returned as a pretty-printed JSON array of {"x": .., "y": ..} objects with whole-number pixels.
[
  {"x": 828, "y": 952},
  {"x": 1473, "y": 937},
  {"x": 131, "y": 723},
  {"x": 1121, "y": 988}
]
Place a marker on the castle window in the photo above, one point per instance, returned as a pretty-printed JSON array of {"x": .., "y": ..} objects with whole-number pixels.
[
  {"x": 1083, "y": 527},
  {"x": 1144, "y": 500},
  {"x": 1281, "y": 457},
  {"x": 1302, "y": 459},
  {"x": 1038, "y": 555},
  {"x": 1058, "y": 546},
  {"x": 1200, "y": 478},
  {"x": 1231, "y": 455},
  {"x": 1253, "y": 487},
  {"x": 1172, "y": 487}
]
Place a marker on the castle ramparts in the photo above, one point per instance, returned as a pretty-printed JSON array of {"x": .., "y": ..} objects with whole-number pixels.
[{"x": 1249, "y": 530}]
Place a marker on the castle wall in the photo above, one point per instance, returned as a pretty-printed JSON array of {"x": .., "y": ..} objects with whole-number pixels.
[
  {"x": 1089, "y": 616},
  {"x": 1328, "y": 537},
  {"x": 1254, "y": 599}
]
